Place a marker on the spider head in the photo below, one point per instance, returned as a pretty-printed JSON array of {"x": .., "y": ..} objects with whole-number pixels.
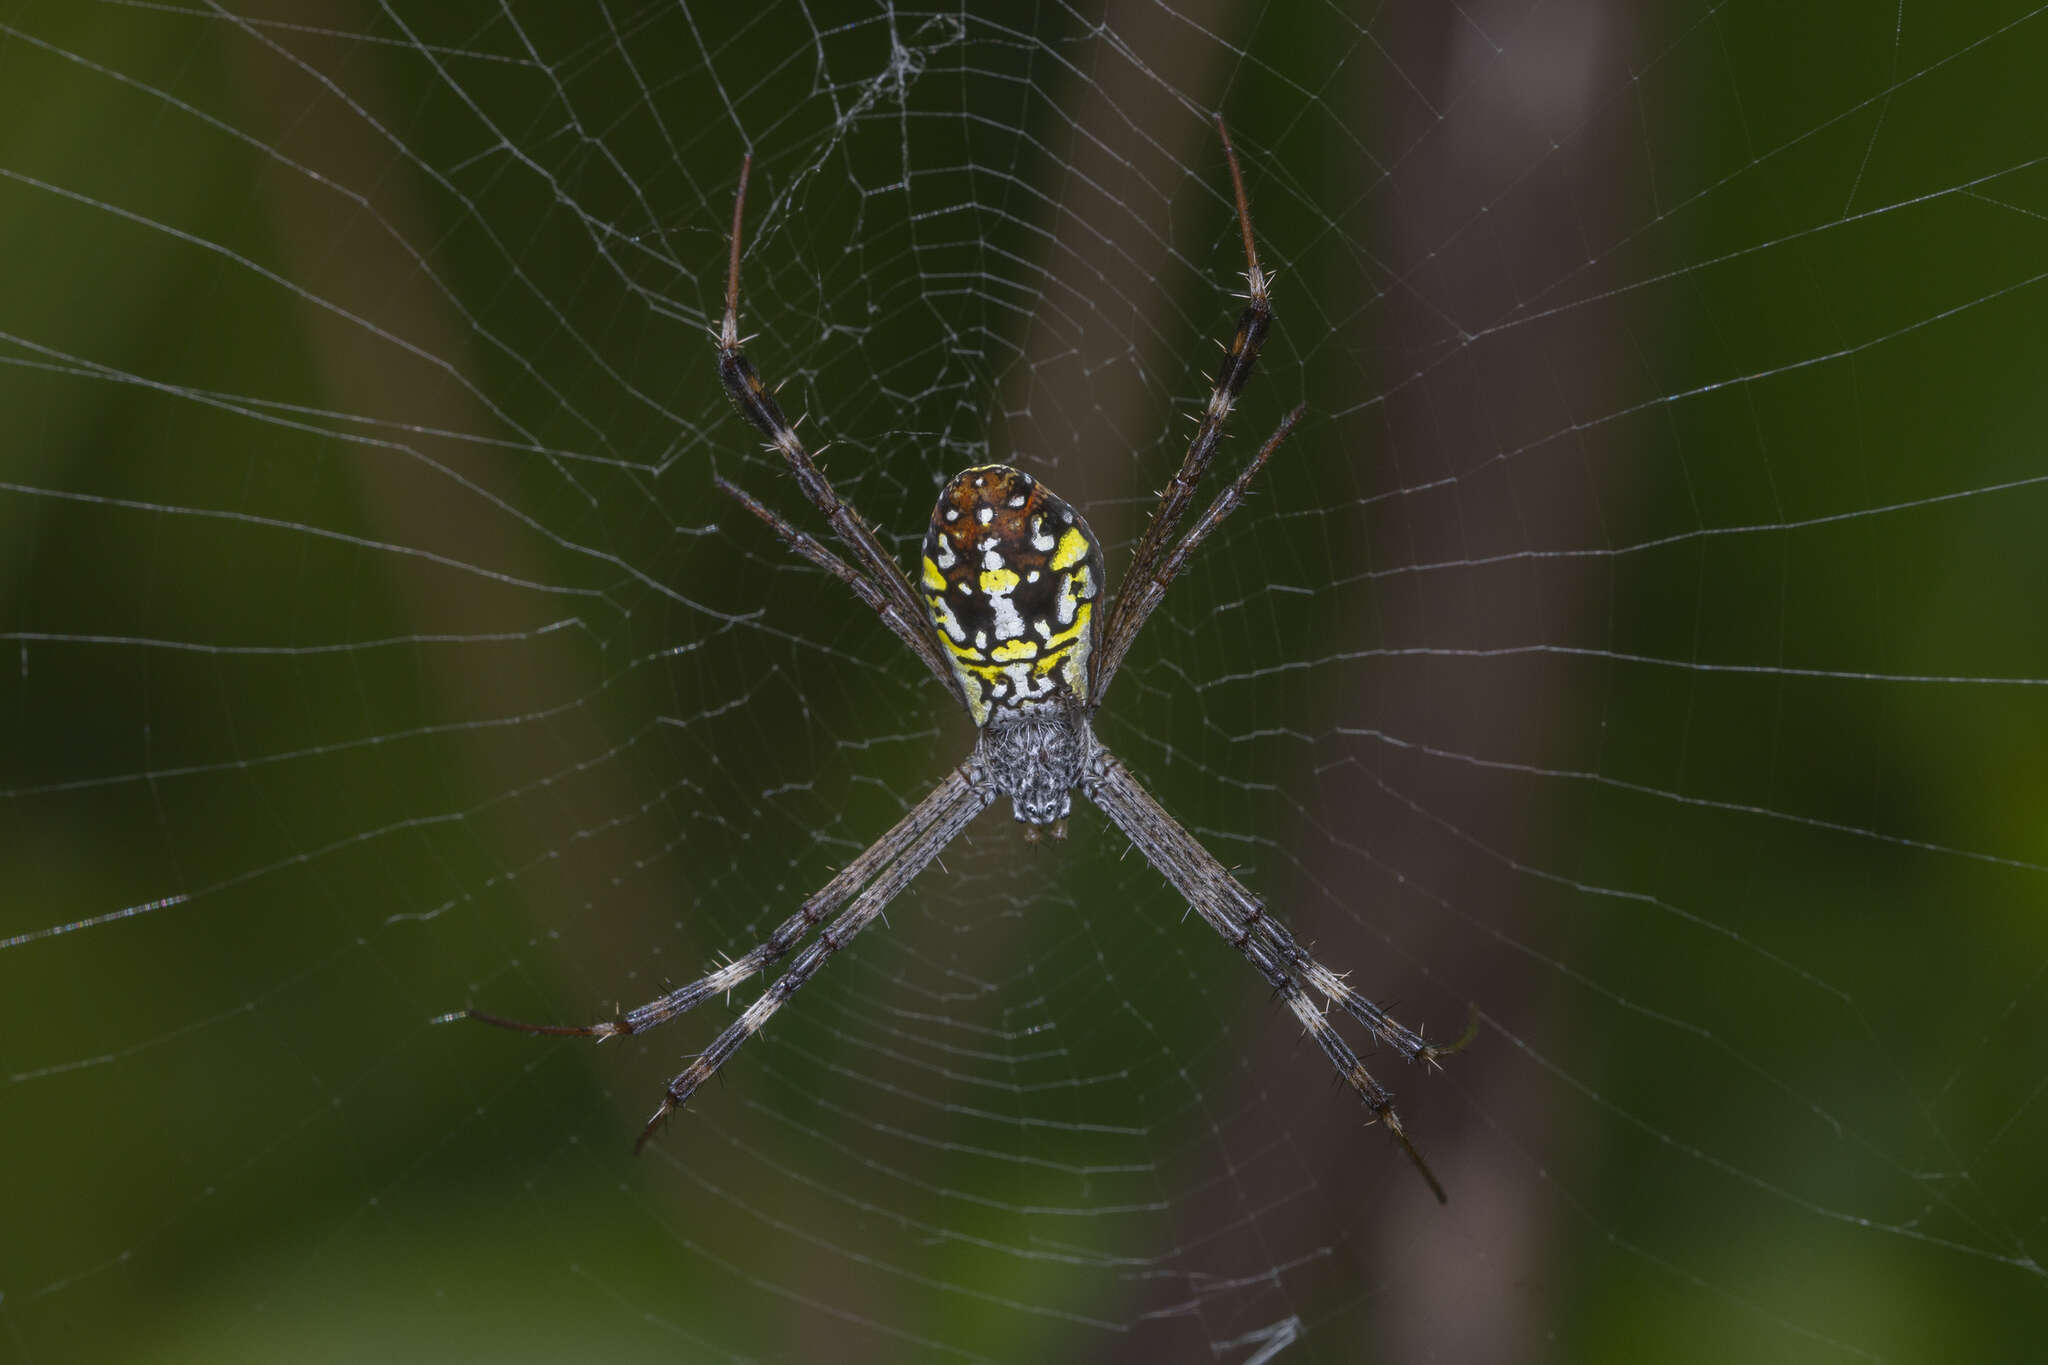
[{"x": 1034, "y": 757}]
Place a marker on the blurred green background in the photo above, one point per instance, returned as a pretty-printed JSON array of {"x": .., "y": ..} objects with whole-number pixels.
[{"x": 1639, "y": 646}]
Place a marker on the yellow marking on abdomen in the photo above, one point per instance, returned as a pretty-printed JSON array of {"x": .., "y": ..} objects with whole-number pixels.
[{"x": 1073, "y": 549}]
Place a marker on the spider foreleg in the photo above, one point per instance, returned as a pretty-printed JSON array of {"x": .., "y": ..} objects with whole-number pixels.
[
  {"x": 1239, "y": 359},
  {"x": 751, "y": 395},
  {"x": 1137, "y": 600},
  {"x": 912, "y": 631}
]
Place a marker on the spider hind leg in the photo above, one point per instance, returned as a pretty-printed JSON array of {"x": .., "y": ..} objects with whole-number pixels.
[{"x": 1238, "y": 917}]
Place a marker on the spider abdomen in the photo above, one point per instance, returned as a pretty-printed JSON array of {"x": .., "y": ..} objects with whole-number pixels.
[{"x": 1011, "y": 577}]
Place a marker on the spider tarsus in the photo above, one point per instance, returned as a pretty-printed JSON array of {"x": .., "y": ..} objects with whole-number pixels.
[
  {"x": 653, "y": 1126},
  {"x": 609, "y": 1029},
  {"x": 1244, "y": 217},
  {"x": 1242, "y": 483},
  {"x": 729, "y": 334},
  {"x": 1431, "y": 1051},
  {"x": 1393, "y": 1123}
]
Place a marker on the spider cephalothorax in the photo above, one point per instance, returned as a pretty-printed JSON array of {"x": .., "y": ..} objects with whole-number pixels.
[
  {"x": 1035, "y": 756},
  {"x": 1009, "y": 614}
]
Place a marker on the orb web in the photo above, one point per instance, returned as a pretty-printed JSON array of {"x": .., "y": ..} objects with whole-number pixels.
[{"x": 1634, "y": 646}]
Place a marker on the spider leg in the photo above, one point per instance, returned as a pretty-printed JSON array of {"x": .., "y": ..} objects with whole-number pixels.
[
  {"x": 961, "y": 798},
  {"x": 912, "y": 631},
  {"x": 1137, "y": 600},
  {"x": 1237, "y": 915},
  {"x": 819, "y": 906},
  {"x": 1120, "y": 627},
  {"x": 744, "y": 384}
]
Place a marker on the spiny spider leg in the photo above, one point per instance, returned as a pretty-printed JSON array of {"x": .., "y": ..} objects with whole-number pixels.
[
  {"x": 1136, "y": 600},
  {"x": 958, "y": 800},
  {"x": 915, "y": 633},
  {"x": 1252, "y": 325},
  {"x": 1219, "y": 898},
  {"x": 821, "y": 904},
  {"x": 743, "y": 383},
  {"x": 1402, "y": 1039}
]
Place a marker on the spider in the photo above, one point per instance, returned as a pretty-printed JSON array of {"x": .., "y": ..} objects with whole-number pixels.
[{"x": 1008, "y": 613}]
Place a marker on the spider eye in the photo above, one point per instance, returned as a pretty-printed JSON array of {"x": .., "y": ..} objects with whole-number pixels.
[{"x": 1023, "y": 640}]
